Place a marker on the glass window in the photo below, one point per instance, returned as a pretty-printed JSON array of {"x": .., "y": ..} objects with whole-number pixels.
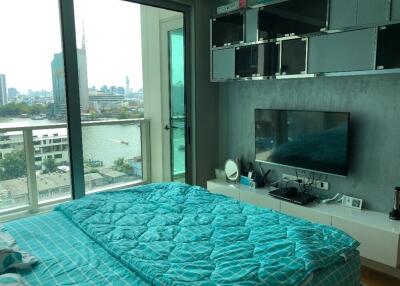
[
  {"x": 32, "y": 81},
  {"x": 111, "y": 88}
]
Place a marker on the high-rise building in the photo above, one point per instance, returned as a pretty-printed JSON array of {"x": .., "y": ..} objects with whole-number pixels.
[
  {"x": 127, "y": 86},
  {"x": 120, "y": 90},
  {"x": 12, "y": 92},
  {"x": 3, "y": 90},
  {"x": 58, "y": 76}
]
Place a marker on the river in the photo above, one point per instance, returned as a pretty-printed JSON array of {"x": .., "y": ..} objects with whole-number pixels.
[{"x": 108, "y": 142}]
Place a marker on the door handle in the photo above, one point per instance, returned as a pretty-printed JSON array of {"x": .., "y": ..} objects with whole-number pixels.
[{"x": 167, "y": 127}]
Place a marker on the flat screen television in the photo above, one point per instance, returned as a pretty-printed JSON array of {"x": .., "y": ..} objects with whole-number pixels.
[{"x": 310, "y": 140}]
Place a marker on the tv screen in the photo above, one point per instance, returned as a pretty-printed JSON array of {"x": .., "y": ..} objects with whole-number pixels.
[{"x": 311, "y": 140}]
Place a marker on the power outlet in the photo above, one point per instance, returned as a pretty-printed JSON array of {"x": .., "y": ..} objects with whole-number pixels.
[{"x": 322, "y": 185}]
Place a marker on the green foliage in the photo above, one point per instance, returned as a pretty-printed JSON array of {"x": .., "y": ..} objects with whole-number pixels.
[
  {"x": 13, "y": 165},
  {"x": 49, "y": 165},
  {"x": 124, "y": 113},
  {"x": 37, "y": 109},
  {"x": 122, "y": 166},
  {"x": 16, "y": 109},
  {"x": 91, "y": 171}
]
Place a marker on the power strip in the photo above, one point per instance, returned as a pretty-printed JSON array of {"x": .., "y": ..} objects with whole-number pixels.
[{"x": 322, "y": 185}]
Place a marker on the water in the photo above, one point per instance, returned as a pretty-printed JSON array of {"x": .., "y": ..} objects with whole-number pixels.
[
  {"x": 103, "y": 143},
  {"x": 107, "y": 143}
]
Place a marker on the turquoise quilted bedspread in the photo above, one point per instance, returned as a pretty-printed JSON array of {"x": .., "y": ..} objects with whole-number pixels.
[{"x": 176, "y": 234}]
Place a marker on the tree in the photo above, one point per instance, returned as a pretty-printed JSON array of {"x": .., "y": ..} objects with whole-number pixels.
[
  {"x": 16, "y": 109},
  {"x": 37, "y": 109},
  {"x": 122, "y": 166},
  {"x": 49, "y": 165},
  {"x": 13, "y": 165}
]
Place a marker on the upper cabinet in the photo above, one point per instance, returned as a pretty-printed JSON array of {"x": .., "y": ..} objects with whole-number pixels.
[
  {"x": 304, "y": 38},
  {"x": 388, "y": 47},
  {"x": 228, "y": 29},
  {"x": 352, "y": 13},
  {"x": 343, "y": 52},
  {"x": 295, "y": 17},
  {"x": 257, "y": 60},
  {"x": 342, "y": 14},
  {"x": 395, "y": 11},
  {"x": 251, "y": 26},
  {"x": 223, "y": 64},
  {"x": 293, "y": 56},
  {"x": 373, "y": 11}
]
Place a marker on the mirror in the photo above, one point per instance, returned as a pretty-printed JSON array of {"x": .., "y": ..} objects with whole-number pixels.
[{"x": 232, "y": 170}]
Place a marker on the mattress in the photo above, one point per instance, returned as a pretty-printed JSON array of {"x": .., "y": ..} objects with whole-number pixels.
[
  {"x": 67, "y": 255},
  {"x": 176, "y": 234},
  {"x": 70, "y": 257},
  {"x": 342, "y": 273}
]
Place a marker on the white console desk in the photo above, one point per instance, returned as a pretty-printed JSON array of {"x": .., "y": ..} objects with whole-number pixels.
[{"x": 378, "y": 235}]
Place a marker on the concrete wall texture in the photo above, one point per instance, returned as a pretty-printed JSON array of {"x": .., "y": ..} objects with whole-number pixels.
[{"x": 374, "y": 104}]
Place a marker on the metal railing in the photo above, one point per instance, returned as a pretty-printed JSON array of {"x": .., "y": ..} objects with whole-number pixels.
[{"x": 29, "y": 147}]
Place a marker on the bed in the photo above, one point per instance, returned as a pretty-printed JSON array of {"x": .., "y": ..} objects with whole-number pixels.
[{"x": 176, "y": 234}]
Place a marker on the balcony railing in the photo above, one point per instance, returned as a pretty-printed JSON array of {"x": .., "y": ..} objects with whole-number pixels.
[{"x": 116, "y": 152}]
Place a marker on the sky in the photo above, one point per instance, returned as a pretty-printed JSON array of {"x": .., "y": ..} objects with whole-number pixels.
[{"x": 29, "y": 38}]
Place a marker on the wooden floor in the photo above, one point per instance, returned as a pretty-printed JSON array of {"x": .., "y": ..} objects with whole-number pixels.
[{"x": 374, "y": 278}]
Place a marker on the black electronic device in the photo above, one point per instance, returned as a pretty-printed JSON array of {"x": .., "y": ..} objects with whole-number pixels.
[
  {"x": 292, "y": 195},
  {"x": 291, "y": 192},
  {"x": 309, "y": 140},
  {"x": 395, "y": 213}
]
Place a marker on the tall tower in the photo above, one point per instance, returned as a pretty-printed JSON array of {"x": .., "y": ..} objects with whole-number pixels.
[
  {"x": 83, "y": 74},
  {"x": 127, "y": 91},
  {"x": 3, "y": 90},
  {"x": 58, "y": 76}
]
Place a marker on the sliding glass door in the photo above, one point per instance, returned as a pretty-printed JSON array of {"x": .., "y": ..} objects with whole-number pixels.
[
  {"x": 173, "y": 60},
  {"x": 177, "y": 104}
]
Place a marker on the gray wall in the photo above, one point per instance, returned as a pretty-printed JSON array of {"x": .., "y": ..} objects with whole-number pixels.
[
  {"x": 374, "y": 104},
  {"x": 205, "y": 103}
]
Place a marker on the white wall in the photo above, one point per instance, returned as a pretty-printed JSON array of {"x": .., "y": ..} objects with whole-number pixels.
[{"x": 152, "y": 84}]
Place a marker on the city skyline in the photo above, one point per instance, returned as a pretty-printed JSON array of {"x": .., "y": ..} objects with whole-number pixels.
[{"x": 27, "y": 55}]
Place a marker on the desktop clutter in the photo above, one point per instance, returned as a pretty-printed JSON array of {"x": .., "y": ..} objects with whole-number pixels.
[
  {"x": 244, "y": 173},
  {"x": 297, "y": 189}
]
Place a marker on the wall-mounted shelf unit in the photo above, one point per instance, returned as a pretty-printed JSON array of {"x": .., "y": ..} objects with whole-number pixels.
[{"x": 306, "y": 38}]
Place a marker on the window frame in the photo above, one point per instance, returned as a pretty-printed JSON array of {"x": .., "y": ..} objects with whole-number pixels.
[{"x": 74, "y": 126}]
